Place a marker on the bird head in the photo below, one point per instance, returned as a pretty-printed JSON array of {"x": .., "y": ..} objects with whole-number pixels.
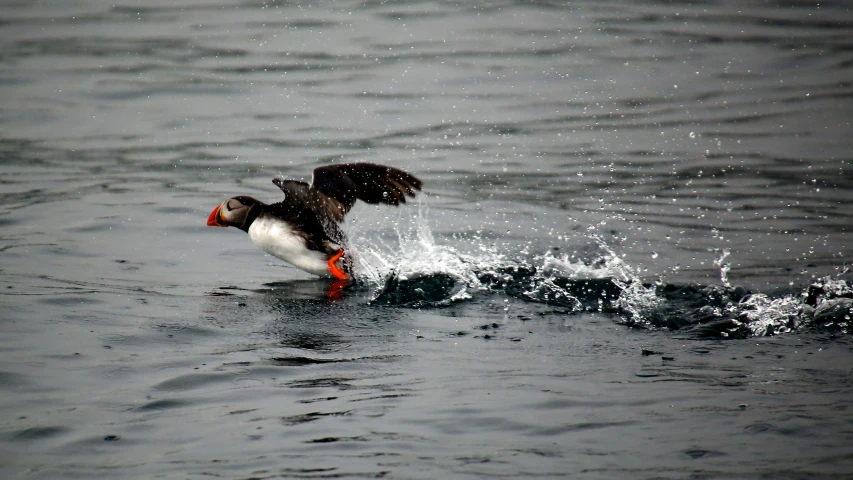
[{"x": 234, "y": 212}]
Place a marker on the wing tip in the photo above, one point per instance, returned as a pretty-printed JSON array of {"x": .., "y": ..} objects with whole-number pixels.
[{"x": 371, "y": 182}]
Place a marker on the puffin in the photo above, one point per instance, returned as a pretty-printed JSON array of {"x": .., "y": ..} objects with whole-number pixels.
[{"x": 305, "y": 228}]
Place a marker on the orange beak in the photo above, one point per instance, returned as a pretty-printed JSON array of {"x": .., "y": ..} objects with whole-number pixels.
[{"x": 214, "y": 219}]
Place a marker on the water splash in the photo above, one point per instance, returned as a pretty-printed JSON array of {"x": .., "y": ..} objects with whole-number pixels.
[
  {"x": 724, "y": 266},
  {"x": 635, "y": 301},
  {"x": 764, "y": 316},
  {"x": 413, "y": 270}
]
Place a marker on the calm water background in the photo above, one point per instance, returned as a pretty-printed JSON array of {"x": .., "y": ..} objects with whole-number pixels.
[{"x": 698, "y": 143}]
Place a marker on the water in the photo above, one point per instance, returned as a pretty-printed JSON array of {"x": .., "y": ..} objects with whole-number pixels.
[{"x": 631, "y": 258}]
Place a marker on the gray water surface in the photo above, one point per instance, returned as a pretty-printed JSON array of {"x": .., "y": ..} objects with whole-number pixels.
[{"x": 693, "y": 148}]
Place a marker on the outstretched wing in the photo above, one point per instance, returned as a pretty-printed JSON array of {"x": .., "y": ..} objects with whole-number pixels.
[
  {"x": 367, "y": 182},
  {"x": 298, "y": 194}
]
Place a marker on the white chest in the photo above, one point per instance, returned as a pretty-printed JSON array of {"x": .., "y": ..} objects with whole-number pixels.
[{"x": 279, "y": 240}]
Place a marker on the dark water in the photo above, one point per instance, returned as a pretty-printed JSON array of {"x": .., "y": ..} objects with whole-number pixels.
[{"x": 631, "y": 258}]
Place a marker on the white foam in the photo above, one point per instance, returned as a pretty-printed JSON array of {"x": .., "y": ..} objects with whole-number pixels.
[
  {"x": 415, "y": 253},
  {"x": 769, "y": 316}
]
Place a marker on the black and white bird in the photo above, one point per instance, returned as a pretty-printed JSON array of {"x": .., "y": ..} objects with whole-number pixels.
[{"x": 304, "y": 228}]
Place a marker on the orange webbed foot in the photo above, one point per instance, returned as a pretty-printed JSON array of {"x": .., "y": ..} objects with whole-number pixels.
[{"x": 335, "y": 271}]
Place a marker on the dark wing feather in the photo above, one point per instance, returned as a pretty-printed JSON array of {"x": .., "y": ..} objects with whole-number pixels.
[
  {"x": 301, "y": 194},
  {"x": 367, "y": 182}
]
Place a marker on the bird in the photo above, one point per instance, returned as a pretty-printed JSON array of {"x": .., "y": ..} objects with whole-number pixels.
[{"x": 305, "y": 228}]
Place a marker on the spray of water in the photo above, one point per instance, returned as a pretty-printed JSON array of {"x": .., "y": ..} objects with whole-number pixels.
[
  {"x": 414, "y": 254},
  {"x": 762, "y": 315},
  {"x": 724, "y": 266},
  {"x": 406, "y": 266}
]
